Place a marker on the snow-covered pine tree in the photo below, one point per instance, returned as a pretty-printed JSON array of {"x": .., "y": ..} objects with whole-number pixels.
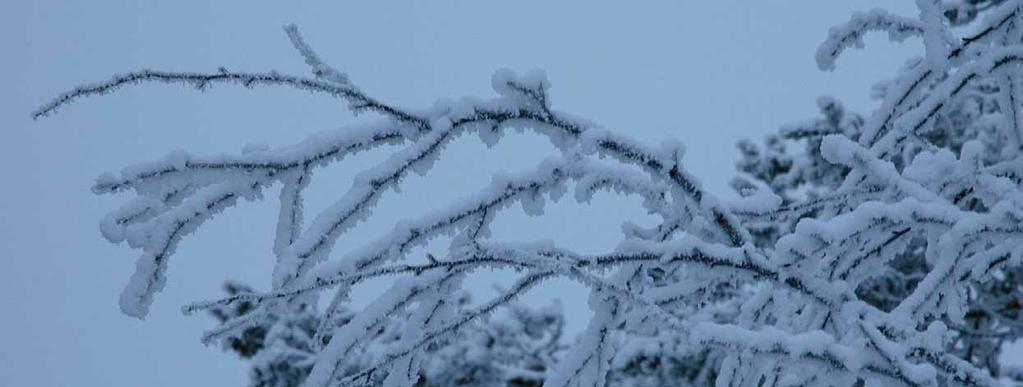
[
  {"x": 790, "y": 165},
  {"x": 802, "y": 175},
  {"x": 799, "y": 317},
  {"x": 513, "y": 347},
  {"x": 978, "y": 114}
]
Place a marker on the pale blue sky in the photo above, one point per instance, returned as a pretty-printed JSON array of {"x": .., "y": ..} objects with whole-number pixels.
[{"x": 706, "y": 73}]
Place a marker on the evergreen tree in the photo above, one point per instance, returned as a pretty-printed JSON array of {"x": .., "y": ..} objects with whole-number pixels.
[{"x": 513, "y": 348}]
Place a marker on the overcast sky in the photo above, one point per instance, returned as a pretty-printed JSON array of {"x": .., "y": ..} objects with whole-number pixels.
[{"x": 704, "y": 72}]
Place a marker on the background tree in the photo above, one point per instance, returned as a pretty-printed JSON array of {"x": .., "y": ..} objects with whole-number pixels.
[
  {"x": 983, "y": 113},
  {"x": 799, "y": 314},
  {"x": 511, "y": 348}
]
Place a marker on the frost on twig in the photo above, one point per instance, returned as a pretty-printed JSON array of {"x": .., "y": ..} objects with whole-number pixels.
[{"x": 799, "y": 317}]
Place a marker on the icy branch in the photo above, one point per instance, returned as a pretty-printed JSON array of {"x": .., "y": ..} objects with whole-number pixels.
[{"x": 800, "y": 317}]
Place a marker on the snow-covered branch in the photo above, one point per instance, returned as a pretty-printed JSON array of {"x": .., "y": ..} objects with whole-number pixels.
[{"x": 801, "y": 276}]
